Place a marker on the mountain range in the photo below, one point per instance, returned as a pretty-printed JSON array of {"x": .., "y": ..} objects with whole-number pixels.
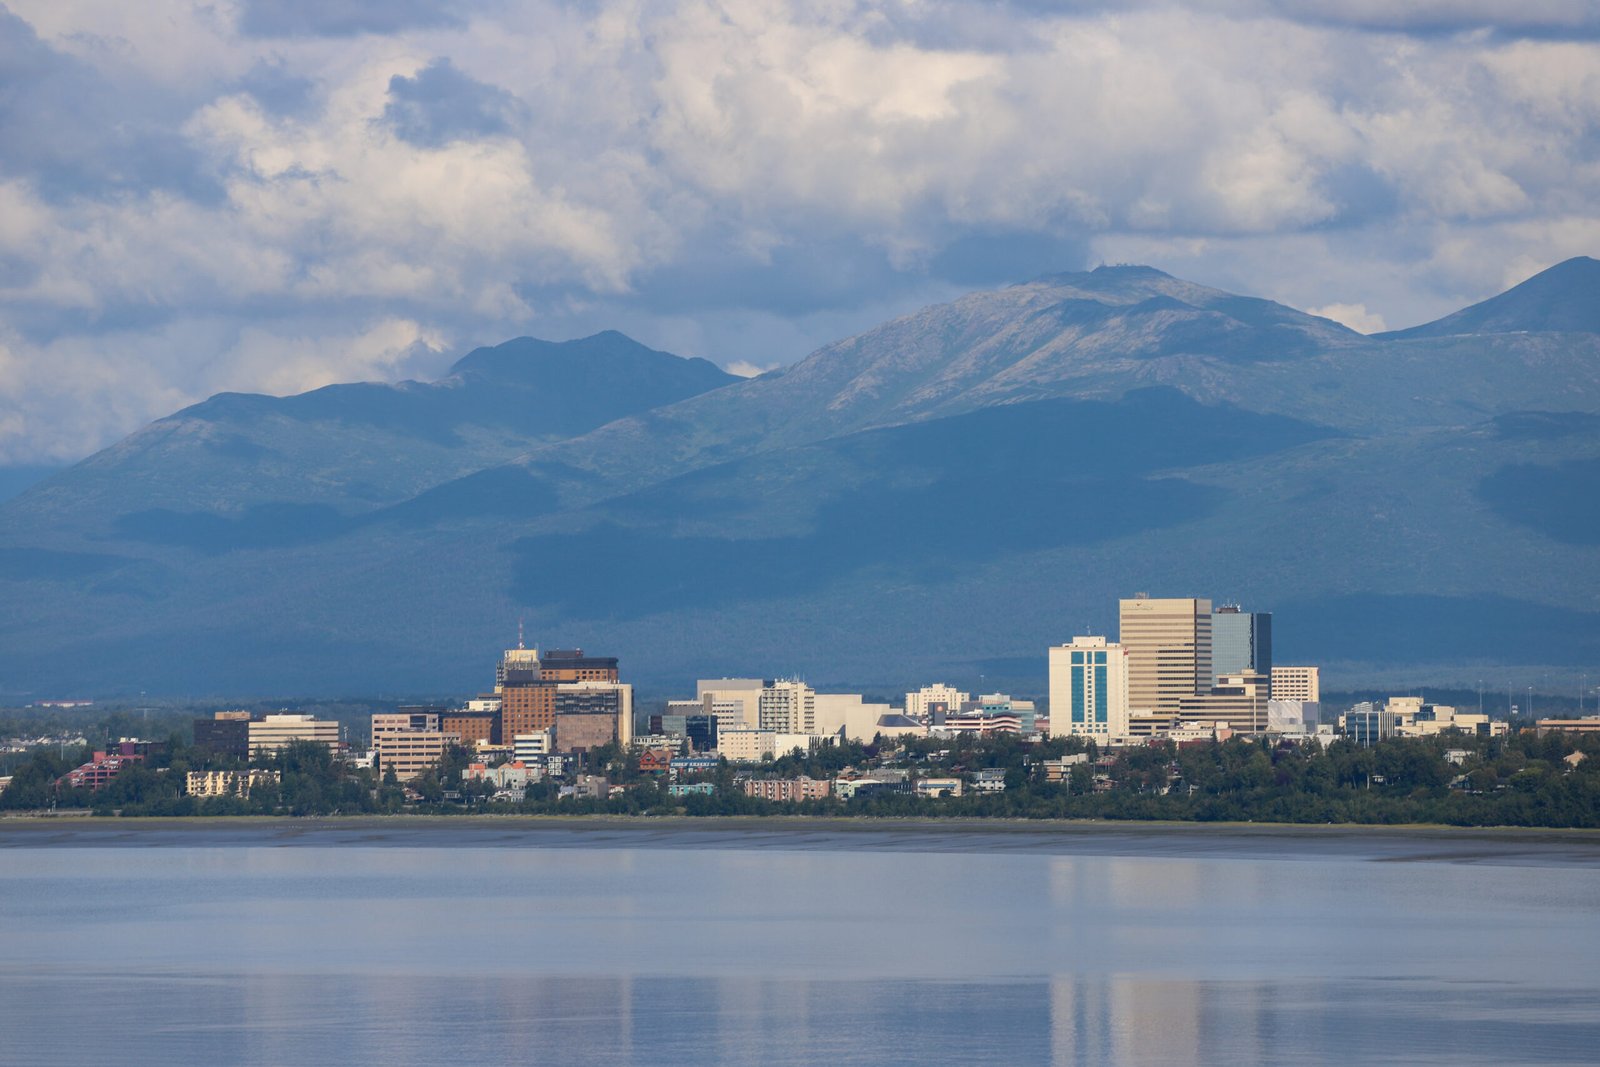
[{"x": 940, "y": 497}]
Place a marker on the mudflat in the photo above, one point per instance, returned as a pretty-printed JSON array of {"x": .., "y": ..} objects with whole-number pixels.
[{"x": 1438, "y": 844}]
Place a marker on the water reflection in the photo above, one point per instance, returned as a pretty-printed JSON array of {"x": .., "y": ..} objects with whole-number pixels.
[
  {"x": 613, "y": 955},
  {"x": 367, "y": 1020}
]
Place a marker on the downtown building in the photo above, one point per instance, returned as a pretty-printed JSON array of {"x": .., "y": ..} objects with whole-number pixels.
[
  {"x": 1089, "y": 689},
  {"x": 1303, "y": 684},
  {"x": 273, "y": 733},
  {"x": 576, "y": 701},
  {"x": 1168, "y": 645},
  {"x": 1241, "y": 642},
  {"x": 935, "y": 700},
  {"x": 788, "y": 708}
]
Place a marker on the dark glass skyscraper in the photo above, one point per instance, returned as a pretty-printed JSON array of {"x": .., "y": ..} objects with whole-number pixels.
[{"x": 1241, "y": 642}]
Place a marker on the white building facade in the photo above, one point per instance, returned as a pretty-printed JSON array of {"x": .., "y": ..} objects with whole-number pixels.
[{"x": 1089, "y": 689}]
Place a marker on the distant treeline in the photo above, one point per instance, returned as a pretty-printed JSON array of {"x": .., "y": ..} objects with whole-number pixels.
[{"x": 1523, "y": 780}]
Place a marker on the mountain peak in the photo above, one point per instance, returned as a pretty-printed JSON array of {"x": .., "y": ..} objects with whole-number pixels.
[
  {"x": 516, "y": 356},
  {"x": 1564, "y": 298}
]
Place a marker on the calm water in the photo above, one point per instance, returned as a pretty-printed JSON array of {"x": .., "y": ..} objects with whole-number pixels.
[{"x": 467, "y": 947}]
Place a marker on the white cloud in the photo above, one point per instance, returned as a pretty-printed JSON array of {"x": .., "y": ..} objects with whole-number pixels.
[
  {"x": 739, "y": 179},
  {"x": 1355, "y": 316},
  {"x": 745, "y": 369}
]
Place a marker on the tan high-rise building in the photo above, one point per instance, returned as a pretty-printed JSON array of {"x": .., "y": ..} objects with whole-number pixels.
[
  {"x": 1297, "y": 683},
  {"x": 1168, "y": 643}
]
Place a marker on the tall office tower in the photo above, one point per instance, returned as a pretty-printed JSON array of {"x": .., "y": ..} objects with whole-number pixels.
[
  {"x": 527, "y": 708},
  {"x": 1241, "y": 642},
  {"x": 1297, "y": 683},
  {"x": 919, "y": 704},
  {"x": 593, "y": 713},
  {"x": 789, "y": 708},
  {"x": 517, "y": 667},
  {"x": 1168, "y": 643},
  {"x": 1089, "y": 689}
]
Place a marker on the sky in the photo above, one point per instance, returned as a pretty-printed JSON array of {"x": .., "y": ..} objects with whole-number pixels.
[{"x": 272, "y": 196}]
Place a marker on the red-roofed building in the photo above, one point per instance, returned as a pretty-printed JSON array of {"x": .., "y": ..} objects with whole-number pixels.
[
  {"x": 655, "y": 760},
  {"x": 97, "y": 772}
]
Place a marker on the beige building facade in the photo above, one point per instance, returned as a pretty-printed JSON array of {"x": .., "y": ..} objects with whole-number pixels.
[
  {"x": 228, "y": 783},
  {"x": 276, "y": 732},
  {"x": 409, "y": 753},
  {"x": 1239, "y": 701},
  {"x": 1297, "y": 683},
  {"x": 1168, "y": 642}
]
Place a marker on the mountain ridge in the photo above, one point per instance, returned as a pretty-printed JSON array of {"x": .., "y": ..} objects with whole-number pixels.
[
  {"x": 1563, "y": 298},
  {"x": 951, "y": 487}
]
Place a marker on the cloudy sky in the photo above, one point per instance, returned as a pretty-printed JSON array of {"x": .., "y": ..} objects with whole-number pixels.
[{"x": 270, "y": 195}]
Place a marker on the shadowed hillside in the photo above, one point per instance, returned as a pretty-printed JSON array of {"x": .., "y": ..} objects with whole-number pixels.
[{"x": 941, "y": 496}]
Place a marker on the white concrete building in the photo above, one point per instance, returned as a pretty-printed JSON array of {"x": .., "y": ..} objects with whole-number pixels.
[
  {"x": 848, "y": 715},
  {"x": 746, "y": 746},
  {"x": 736, "y": 702},
  {"x": 788, "y": 708},
  {"x": 1089, "y": 689},
  {"x": 528, "y": 747},
  {"x": 275, "y": 732},
  {"x": 919, "y": 704}
]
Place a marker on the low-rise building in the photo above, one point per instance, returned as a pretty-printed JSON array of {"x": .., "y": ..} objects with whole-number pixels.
[
  {"x": 786, "y": 790},
  {"x": 273, "y": 733},
  {"x": 1057, "y": 770},
  {"x": 531, "y": 746},
  {"x": 1413, "y": 717},
  {"x": 978, "y": 723},
  {"x": 95, "y": 774},
  {"x": 228, "y": 783},
  {"x": 882, "y": 779},
  {"x": 989, "y": 780},
  {"x": 515, "y": 775},
  {"x": 109, "y": 763},
  {"x": 1590, "y": 724},
  {"x": 591, "y": 787},
  {"x": 655, "y": 761},
  {"x": 937, "y": 787},
  {"x": 746, "y": 746}
]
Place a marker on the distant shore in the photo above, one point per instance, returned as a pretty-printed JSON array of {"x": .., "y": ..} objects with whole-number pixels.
[{"x": 1498, "y": 845}]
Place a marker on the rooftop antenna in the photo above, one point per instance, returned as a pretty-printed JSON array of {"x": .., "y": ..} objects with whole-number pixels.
[{"x": 520, "y": 645}]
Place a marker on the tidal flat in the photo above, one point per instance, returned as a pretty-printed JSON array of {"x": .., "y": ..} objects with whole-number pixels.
[{"x": 1503, "y": 846}]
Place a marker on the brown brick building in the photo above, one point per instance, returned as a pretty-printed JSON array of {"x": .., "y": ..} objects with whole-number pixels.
[
  {"x": 471, "y": 726},
  {"x": 527, "y": 709},
  {"x": 581, "y": 732}
]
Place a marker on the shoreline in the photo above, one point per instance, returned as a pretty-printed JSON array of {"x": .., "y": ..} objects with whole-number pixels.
[
  {"x": 1521, "y": 846},
  {"x": 847, "y": 823}
]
